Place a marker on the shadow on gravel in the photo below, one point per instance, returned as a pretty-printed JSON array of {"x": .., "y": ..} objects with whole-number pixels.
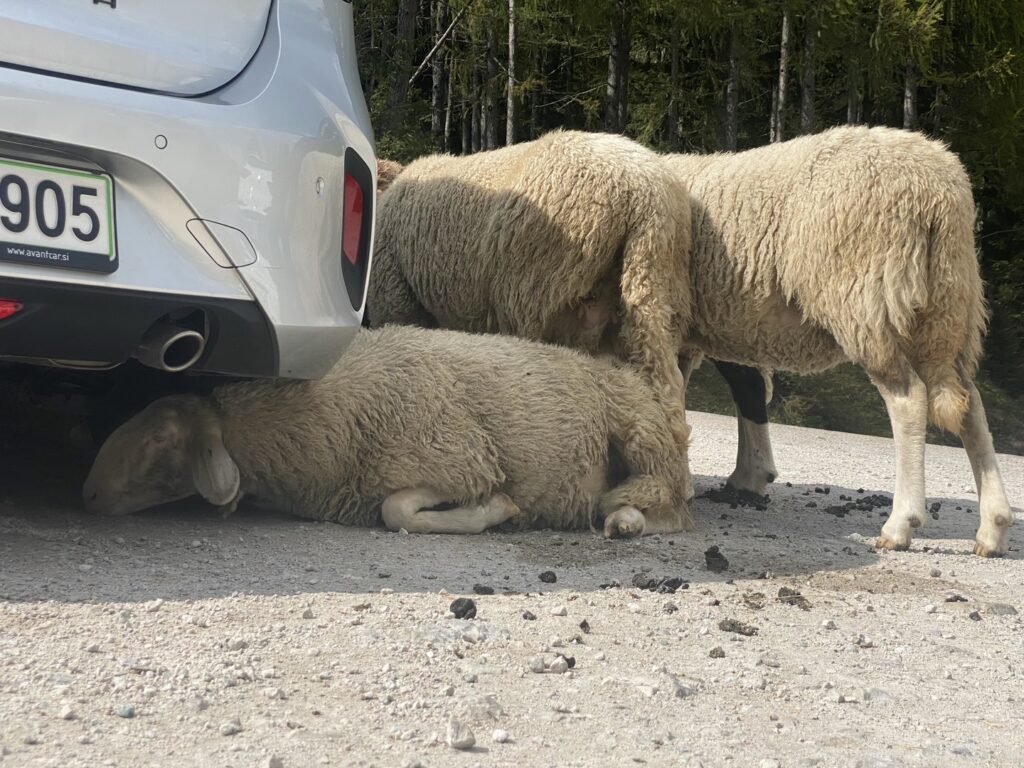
[
  {"x": 51, "y": 550},
  {"x": 187, "y": 551}
]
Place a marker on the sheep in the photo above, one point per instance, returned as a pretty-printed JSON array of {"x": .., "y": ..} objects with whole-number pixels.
[
  {"x": 854, "y": 244},
  {"x": 387, "y": 172},
  {"x": 574, "y": 238},
  {"x": 410, "y": 420}
]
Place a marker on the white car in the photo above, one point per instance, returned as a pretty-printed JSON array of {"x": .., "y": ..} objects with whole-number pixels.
[{"x": 190, "y": 184}]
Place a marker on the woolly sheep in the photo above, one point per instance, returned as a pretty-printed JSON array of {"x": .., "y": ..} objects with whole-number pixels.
[
  {"x": 853, "y": 244},
  {"x": 410, "y": 419},
  {"x": 568, "y": 239}
]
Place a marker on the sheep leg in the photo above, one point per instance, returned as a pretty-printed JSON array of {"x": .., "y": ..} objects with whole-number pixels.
[
  {"x": 907, "y": 403},
  {"x": 411, "y": 509},
  {"x": 646, "y": 492},
  {"x": 755, "y": 464},
  {"x": 996, "y": 516},
  {"x": 688, "y": 362}
]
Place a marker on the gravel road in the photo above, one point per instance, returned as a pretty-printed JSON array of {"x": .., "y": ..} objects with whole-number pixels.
[{"x": 176, "y": 638}]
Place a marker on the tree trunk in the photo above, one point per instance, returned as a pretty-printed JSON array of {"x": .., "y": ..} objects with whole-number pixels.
[
  {"x": 510, "y": 96},
  {"x": 673, "y": 103},
  {"x": 625, "y": 44},
  {"x": 732, "y": 89},
  {"x": 807, "y": 80},
  {"x": 611, "y": 93},
  {"x": 854, "y": 95},
  {"x": 446, "y": 141},
  {"x": 438, "y": 88},
  {"x": 910, "y": 98},
  {"x": 615, "y": 105},
  {"x": 475, "y": 130},
  {"x": 779, "y": 119},
  {"x": 401, "y": 65},
  {"x": 467, "y": 123},
  {"x": 491, "y": 91}
]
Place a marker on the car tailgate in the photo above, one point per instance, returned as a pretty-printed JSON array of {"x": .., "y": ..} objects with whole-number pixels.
[{"x": 184, "y": 47}]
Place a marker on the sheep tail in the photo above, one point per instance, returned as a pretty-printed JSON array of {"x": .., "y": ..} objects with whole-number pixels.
[{"x": 949, "y": 342}]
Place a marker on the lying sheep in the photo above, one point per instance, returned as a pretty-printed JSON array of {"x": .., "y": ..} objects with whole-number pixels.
[
  {"x": 409, "y": 421},
  {"x": 854, "y": 244},
  {"x": 569, "y": 239}
]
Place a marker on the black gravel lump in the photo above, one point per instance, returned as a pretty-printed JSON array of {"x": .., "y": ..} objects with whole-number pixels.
[
  {"x": 715, "y": 560},
  {"x": 463, "y": 608}
]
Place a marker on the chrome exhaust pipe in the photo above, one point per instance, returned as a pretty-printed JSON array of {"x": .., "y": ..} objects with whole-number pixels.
[{"x": 170, "y": 347}]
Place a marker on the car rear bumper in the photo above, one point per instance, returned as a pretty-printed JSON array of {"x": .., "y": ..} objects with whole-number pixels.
[
  {"x": 227, "y": 198},
  {"x": 79, "y": 326}
]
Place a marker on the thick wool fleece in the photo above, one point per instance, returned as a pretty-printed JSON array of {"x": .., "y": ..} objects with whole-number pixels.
[
  {"x": 464, "y": 415},
  {"x": 538, "y": 239},
  {"x": 856, "y": 243}
]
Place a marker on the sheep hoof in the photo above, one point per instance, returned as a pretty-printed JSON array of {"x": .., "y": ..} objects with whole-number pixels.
[
  {"x": 985, "y": 551},
  {"x": 993, "y": 540},
  {"x": 884, "y": 542},
  {"x": 624, "y": 523}
]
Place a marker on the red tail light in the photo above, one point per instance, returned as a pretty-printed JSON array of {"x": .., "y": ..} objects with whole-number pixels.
[
  {"x": 356, "y": 227},
  {"x": 8, "y": 308},
  {"x": 352, "y": 221}
]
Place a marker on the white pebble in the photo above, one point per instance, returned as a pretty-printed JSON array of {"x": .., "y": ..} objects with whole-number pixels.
[
  {"x": 231, "y": 727},
  {"x": 273, "y": 693},
  {"x": 67, "y": 713},
  {"x": 500, "y": 735},
  {"x": 930, "y": 608},
  {"x": 828, "y": 624},
  {"x": 559, "y": 610}
]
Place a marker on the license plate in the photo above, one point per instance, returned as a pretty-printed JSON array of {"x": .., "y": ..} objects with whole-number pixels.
[{"x": 56, "y": 217}]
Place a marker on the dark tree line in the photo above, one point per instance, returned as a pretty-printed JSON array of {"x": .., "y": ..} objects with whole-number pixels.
[{"x": 463, "y": 76}]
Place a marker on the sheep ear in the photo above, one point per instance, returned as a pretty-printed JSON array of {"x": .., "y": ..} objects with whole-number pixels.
[{"x": 214, "y": 472}]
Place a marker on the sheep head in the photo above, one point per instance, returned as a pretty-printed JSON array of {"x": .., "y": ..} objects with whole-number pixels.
[
  {"x": 170, "y": 450},
  {"x": 387, "y": 172}
]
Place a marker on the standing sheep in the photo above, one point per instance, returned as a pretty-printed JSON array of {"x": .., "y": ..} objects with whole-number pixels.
[
  {"x": 853, "y": 244},
  {"x": 407, "y": 421},
  {"x": 566, "y": 239}
]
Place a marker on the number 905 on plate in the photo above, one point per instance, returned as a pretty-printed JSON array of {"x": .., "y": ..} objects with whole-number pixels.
[{"x": 56, "y": 217}]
